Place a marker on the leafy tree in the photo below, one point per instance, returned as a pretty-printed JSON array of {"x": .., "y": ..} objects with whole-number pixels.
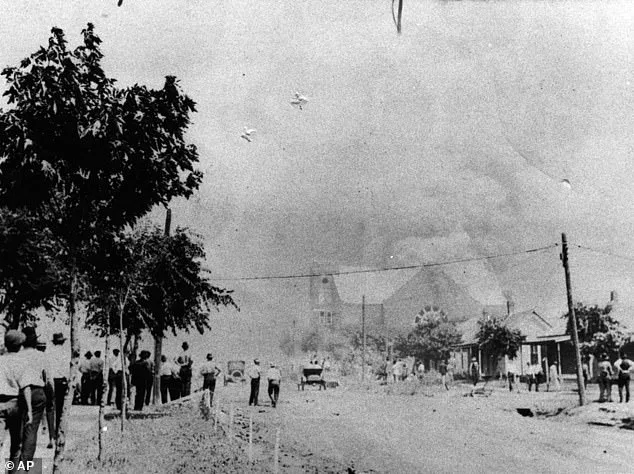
[
  {"x": 175, "y": 295},
  {"x": 599, "y": 332},
  {"x": 433, "y": 338},
  {"x": 30, "y": 274},
  {"x": 87, "y": 158},
  {"x": 497, "y": 339}
]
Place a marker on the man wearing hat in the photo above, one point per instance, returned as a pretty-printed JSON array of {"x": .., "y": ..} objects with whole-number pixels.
[
  {"x": 37, "y": 377},
  {"x": 59, "y": 359},
  {"x": 254, "y": 374},
  {"x": 274, "y": 377},
  {"x": 12, "y": 383},
  {"x": 210, "y": 373}
]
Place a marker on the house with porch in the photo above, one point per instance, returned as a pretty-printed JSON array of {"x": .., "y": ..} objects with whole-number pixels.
[{"x": 543, "y": 339}]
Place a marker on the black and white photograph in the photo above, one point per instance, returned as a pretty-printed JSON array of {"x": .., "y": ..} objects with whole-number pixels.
[{"x": 316, "y": 236}]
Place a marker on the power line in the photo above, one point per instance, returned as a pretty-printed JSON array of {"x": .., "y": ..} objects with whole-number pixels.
[
  {"x": 605, "y": 252},
  {"x": 387, "y": 269}
]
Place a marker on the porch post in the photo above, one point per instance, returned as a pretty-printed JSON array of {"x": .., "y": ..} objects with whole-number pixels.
[{"x": 561, "y": 371}]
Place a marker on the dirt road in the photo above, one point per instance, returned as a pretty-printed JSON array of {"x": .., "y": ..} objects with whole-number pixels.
[{"x": 433, "y": 432}]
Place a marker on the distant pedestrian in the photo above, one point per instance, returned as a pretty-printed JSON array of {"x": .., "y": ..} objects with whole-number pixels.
[
  {"x": 168, "y": 374},
  {"x": 274, "y": 378},
  {"x": 210, "y": 373},
  {"x": 254, "y": 372},
  {"x": 115, "y": 382},
  {"x": 96, "y": 375},
  {"x": 150, "y": 381},
  {"x": 623, "y": 368},
  {"x": 397, "y": 370},
  {"x": 59, "y": 358},
  {"x": 554, "y": 378},
  {"x": 474, "y": 371},
  {"x": 511, "y": 374},
  {"x": 442, "y": 368},
  {"x": 86, "y": 382},
  {"x": 141, "y": 375},
  {"x": 532, "y": 376},
  {"x": 605, "y": 379},
  {"x": 421, "y": 370},
  {"x": 185, "y": 370}
]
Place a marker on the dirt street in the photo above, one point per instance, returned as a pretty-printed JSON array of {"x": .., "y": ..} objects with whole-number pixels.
[{"x": 435, "y": 431}]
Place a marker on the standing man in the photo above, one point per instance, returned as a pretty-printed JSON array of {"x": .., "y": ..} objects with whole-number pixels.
[
  {"x": 474, "y": 370},
  {"x": 554, "y": 376},
  {"x": 96, "y": 373},
  {"x": 274, "y": 377},
  {"x": 141, "y": 373},
  {"x": 86, "y": 382},
  {"x": 59, "y": 358},
  {"x": 114, "y": 378},
  {"x": 185, "y": 370},
  {"x": 623, "y": 368},
  {"x": 210, "y": 373},
  {"x": 150, "y": 381},
  {"x": 12, "y": 386},
  {"x": 168, "y": 374},
  {"x": 531, "y": 377},
  {"x": 442, "y": 368},
  {"x": 254, "y": 374},
  {"x": 605, "y": 379},
  {"x": 37, "y": 377}
]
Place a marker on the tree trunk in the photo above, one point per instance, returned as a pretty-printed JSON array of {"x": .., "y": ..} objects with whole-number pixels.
[
  {"x": 124, "y": 380},
  {"x": 104, "y": 392},
  {"x": 158, "y": 350},
  {"x": 74, "y": 360}
]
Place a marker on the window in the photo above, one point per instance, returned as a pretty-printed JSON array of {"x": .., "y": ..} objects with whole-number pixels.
[{"x": 325, "y": 318}]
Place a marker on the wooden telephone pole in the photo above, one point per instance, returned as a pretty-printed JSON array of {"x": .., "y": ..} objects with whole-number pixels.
[
  {"x": 158, "y": 342},
  {"x": 363, "y": 338},
  {"x": 573, "y": 321}
]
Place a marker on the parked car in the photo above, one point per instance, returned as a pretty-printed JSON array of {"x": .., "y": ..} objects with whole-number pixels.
[{"x": 235, "y": 371}]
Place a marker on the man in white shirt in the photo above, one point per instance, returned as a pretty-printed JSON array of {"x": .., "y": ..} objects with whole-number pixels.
[
  {"x": 210, "y": 373},
  {"x": 96, "y": 377},
  {"x": 623, "y": 368},
  {"x": 274, "y": 376},
  {"x": 12, "y": 383},
  {"x": 254, "y": 374},
  {"x": 169, "y": 375},
  {"x": 86, "y": 383},
  {"x": 114, "y": 378},
  {"x": 59, "y": 359},
  {"x": 185, "y": 371}
]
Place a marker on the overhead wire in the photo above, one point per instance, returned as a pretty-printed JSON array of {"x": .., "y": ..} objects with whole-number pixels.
[
  {"x": 606, "y": 252},
  {"x": 387, "y": 269}
]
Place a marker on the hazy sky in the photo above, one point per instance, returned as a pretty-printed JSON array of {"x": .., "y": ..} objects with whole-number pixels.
[{"x": 448, "y": 141}]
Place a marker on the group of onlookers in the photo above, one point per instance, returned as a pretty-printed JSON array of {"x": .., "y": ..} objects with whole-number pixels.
[
  {"x": 274, "y": 378},
  {"x": 31, "y": 383},
  {"x": 620, "y": 373}
]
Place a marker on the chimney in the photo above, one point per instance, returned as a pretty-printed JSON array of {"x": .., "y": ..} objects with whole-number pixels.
[{"x": 614, "y": 298}]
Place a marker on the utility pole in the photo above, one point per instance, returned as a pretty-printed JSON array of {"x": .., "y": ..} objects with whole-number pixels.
[
  {"x": 573, "y": 320},
  {"x": 363, "y": 337},
  {"x": 158, "y": 342}
]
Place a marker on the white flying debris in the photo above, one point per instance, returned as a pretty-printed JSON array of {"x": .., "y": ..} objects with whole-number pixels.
[
  {"x": 299, "y": 100},
  {"x": 247, "y": 134},
  {"x": 566, "y": 184}
]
